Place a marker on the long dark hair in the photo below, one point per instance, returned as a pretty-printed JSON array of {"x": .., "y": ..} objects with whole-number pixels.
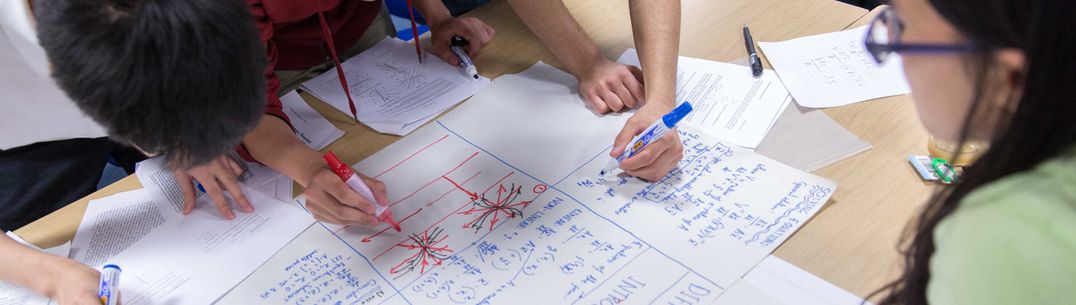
[{"x": 1042, "y": 127}]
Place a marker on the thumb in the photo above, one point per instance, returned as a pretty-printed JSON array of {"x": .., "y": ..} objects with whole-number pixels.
[{"x": 630, "y": 130}]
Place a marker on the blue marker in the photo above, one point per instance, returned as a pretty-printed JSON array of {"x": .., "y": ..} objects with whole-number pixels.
[
  {"x": 649, "y": 135},
  {"x": 110, "y": 285}
]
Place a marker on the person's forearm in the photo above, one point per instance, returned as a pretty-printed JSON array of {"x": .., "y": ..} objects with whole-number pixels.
[
  {"x": 656, "y": 26},
  {"x": 274, "y": 144},
  {"x": 433, "y": 11},
  {"x": 551, "y": 21},
  {"x": 24, "y": 266}
]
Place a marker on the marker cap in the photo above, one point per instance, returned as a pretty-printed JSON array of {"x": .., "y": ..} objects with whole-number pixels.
[
  {"x": 676, "y": 115},
  {"x": 337, "y": 166}
]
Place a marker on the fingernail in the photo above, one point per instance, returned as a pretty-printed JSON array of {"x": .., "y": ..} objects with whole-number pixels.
[{"x": 248, "y": 209}]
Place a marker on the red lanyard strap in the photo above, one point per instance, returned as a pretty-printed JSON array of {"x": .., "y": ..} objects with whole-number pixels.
[{"x": 327, "y": 34}]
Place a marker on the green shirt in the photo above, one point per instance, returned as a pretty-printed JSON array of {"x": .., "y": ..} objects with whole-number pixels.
[{"x": 1010, "y": 242}]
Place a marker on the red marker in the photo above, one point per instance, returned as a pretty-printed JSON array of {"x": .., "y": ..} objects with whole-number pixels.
[{"x": 345, "y": 173}]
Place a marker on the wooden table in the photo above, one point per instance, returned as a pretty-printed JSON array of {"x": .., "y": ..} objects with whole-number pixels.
[{"x": 851, "y": 243}]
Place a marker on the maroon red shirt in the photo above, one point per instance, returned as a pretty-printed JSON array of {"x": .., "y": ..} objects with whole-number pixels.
[{"x": 294, "y": 38}]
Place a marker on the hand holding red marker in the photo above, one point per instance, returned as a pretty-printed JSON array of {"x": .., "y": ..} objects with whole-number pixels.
[{"x": 383, "y": 213}]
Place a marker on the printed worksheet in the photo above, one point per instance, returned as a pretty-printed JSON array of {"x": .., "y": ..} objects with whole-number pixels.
[
  {"x": 393, "y": 92},
  {"x": 730, "y": 103}
]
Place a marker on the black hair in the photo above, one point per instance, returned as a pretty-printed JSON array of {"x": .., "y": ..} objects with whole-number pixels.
[
  {"x": 183, "y": 79},
  {"x": 1041, "y": 128}
]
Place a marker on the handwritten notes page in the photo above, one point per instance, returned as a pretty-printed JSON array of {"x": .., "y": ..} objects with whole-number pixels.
[
  {"x": 729, "y": 102},
  {"x": 500, "y": 204},
  {"x": 834, "y": 69},
  {"x": 393, "y": 92}
]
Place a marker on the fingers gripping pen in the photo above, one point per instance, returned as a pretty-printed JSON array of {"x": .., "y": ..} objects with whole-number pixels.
[
  {"x": 649, "y": 135},
  {"x": 353, "y": 180}
]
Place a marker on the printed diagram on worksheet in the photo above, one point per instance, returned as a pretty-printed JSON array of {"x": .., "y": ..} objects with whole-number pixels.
[{"x": 392, "y": 91}]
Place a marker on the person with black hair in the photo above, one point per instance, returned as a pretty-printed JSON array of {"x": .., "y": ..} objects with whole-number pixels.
[
  {"x": 998, "y": 71},
  {"x": 300, "y": 35},
  {"x": 128, "y": 66},
  {"x": 608, "y": 86},
  {"x": 192, "y": 80}
]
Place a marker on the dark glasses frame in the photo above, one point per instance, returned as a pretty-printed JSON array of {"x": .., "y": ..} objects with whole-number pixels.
[{"x": 895, "y": 27}]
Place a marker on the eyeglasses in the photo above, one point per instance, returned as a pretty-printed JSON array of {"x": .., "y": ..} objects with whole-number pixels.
[{"x": 883, "y": 38}]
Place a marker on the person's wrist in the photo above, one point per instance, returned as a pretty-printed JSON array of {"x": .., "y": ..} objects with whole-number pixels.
[
  {"x": 659, "y": 103},
  {"x": 302, "y": 162},
  {"x": 588, "y": 61},
  {"x": 55, "y": 270},
  {"x": 311, "y": 169}
]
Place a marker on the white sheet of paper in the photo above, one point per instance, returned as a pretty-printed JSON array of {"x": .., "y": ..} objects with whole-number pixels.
[
  {"x": 499, "y": 203},
  {"x": 112, "y": 224},
  {"x": 160, "y": 182},
  {"x": 777, "y": 282},
  {"x": 192, "y": 259},
  {"x": 11, "y": 294},
  {"x": 312, "y": 128},
  {"x": 834, "y": 69},
  {"x": 35, "y": 108},
  {"x": 729, "y": 102},
  {"x": 330, "y": 272},
  {"x": 808, "y": 139},
  {"x": 283, "y": 188},
  {"x": 393, "y": 92}
]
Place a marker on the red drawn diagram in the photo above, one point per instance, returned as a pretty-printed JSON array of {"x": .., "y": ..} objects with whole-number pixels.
[
  {"x": 482, "y": 208},
  {"x": 427, "y": 252},
  {"x": 486, "y": 210}
]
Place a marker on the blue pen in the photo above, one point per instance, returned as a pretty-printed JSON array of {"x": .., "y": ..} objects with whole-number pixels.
[
  {"x": 649, "y": 135},
  {"x": 110, "y": 282}
]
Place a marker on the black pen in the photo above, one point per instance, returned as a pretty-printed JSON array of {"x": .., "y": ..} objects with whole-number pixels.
[{"x": 756, "y": 64}]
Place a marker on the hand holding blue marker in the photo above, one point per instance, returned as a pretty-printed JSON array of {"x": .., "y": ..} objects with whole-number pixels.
[{"x": 649, "y": 135}]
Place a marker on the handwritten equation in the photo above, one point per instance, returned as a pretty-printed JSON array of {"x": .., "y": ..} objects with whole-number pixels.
[
  {"x": 834, "y": 69},
  {"x": 318, "y": 278},
  {"x": 719, "y": 198}
]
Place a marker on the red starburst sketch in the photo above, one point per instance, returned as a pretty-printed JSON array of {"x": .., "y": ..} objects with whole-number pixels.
[
  {"x": 428, "y": 252},
  {"x": 490, "y": 211}
]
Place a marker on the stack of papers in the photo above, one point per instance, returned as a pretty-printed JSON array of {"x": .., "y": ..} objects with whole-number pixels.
[
  {"x": 489, "y": 216},
  {"x": 834, "y": 69},
  {"x": 808, "y": 140},
  {"x": 169, "y": 258},
  {"x": 393, "y": 92},
  {"x": 729, "y": 102}
]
